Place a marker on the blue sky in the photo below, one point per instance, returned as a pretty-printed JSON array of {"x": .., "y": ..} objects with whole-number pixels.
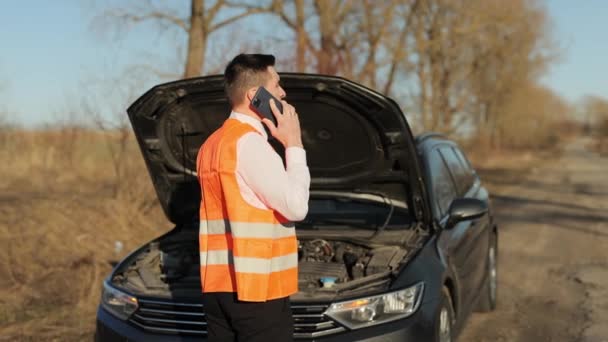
[
  {"x": 52, "y": 53},
  {"x": 582, "y": 29}
]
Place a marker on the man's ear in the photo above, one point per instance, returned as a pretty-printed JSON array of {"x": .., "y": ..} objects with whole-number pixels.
[{"x": 251, "y": 93}]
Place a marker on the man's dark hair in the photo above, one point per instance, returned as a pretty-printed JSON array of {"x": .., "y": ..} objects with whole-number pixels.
[{"x": 246, "y": 71}]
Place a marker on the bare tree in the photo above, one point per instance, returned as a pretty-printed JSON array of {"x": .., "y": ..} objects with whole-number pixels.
[
  {"x": 532, "y": 118},
  {"x": 510, "y": 53},
  {"x": 374, "y": 23},
  {"x": 440, "y": 52},
  {"x": 326, "y": 42},
  {"x": 397, "y": 42},
  {"x": 472, "y": 56},
  {"x": 203, "y": 20},
  {"x": 332, "y": 16},
  {"x": 464, "y": 61},
  {"x": 362, "y": 40},
  {"x": 595, "y": 108},
  {"x": 293, "y": 14}
]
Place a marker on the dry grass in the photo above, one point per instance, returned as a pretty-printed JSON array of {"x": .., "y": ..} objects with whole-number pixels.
[{"x": 62, "y": 208}]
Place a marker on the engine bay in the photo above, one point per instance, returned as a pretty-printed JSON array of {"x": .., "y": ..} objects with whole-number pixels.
[
  {"x": 326, "y": 263},
  {"x": 323, "y": 264}
]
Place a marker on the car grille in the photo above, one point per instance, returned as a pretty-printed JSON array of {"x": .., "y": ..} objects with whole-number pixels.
[
  {"x": 309, "y": 321},
  {"x": 166, "y": 317},
  {"x": 170, "y": 317}
]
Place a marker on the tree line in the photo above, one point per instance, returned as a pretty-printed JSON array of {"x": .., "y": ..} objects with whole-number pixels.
[{"x": 469, "y": 67}]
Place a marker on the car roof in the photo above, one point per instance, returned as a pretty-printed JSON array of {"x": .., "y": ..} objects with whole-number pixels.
[
  {"x": 430, "y": 136},
  {"x": 425, "y": 142}
]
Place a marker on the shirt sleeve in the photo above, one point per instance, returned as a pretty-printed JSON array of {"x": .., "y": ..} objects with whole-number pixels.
[{"x": 285, "y": 190}]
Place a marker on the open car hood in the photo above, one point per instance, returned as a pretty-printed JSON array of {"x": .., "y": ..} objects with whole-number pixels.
[{"x": 355, "y": 138}]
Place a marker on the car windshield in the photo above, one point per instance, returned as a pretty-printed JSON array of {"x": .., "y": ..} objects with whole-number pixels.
[{"x": 341, "y": 212}]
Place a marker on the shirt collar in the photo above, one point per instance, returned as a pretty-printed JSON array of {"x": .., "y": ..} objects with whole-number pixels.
[{"x": 257, "y": 124}]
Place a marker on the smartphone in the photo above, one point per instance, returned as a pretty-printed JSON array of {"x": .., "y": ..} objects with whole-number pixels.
[{"x": 261, "y": 103}]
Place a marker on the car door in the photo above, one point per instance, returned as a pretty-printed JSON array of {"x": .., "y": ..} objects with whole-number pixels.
[
  {"x": 458, "y": 240},
  {"x": 443, "y": 192},
  {"x": 472, "y": 233}
]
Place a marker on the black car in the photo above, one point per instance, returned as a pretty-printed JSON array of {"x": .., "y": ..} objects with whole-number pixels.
[{"x": 399, "y": 243}]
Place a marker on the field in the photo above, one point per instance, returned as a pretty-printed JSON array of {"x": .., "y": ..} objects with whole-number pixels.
[{"x": 66, "y": 198}]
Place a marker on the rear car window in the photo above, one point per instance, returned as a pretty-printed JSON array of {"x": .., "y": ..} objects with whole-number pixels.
[
  {"x": 461, "y": 175},
  {"x": 466, "y": 164},
  {"x": 441, "y": 181}
]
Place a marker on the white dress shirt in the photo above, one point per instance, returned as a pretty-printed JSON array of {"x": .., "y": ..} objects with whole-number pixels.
[{"x": 262, "y": 178}]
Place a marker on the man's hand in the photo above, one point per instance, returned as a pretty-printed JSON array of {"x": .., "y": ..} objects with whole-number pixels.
[{"x": 288, "y": 130}]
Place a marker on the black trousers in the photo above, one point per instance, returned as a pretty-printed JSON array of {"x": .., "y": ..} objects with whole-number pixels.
[{"x": 229, "y": 319}]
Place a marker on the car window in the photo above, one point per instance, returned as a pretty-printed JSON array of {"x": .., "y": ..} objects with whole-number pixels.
[
  {"x": 466, "y": 164},
  {"x": 460, "y": 174},
  {"x": 441, "y": 182}
]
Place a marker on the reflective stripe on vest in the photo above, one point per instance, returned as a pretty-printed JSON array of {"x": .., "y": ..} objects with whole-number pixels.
[
  {"x": 248, "y": 229},
  {"x": 248, "y": 264},
  {"x": 243, "y": 249}
]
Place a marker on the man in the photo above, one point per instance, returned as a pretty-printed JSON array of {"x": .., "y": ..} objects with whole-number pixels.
[{"x": 249, "y": 200}]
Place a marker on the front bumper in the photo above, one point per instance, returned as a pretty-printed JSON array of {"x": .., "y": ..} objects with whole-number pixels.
[{"x": 418, "y": 327}]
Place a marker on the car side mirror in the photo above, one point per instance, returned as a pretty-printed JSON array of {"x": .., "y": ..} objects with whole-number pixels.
[{"x": 463, "y": 209}]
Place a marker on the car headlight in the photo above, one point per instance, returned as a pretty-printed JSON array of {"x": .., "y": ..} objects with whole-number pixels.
[
  {"x": 117, "y": 302},
  {"x": 383, "y": 308}
]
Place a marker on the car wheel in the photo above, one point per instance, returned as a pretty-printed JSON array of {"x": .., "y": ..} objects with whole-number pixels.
[
  {"x": 487, "y": 301},
  {"x": 444, "y": 322}
]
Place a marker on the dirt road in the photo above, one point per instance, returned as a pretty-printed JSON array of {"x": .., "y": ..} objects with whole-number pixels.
[{"x": 553, "y": 253}]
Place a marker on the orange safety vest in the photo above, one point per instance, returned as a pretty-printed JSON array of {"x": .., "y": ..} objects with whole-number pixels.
[{"x": 243, "y": 249}]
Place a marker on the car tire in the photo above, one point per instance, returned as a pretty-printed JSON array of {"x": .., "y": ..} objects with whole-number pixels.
[
  {"x": 444, "y": 322},
  {"x": 487, "y": 301}
]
